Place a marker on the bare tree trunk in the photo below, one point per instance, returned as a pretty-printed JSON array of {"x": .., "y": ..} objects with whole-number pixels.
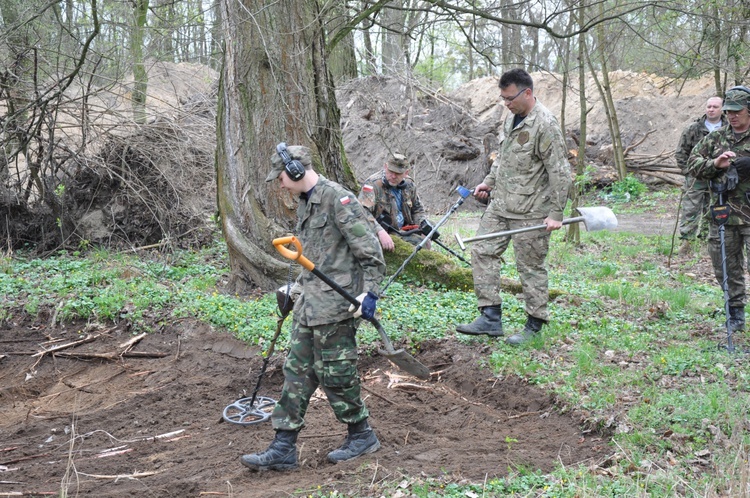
[
  {"x": 275, "y": 86},
  {"x": 716, "y": 36},
  {"x": 394, "y": 52},
  {"x": 574, "y": 232},
  {"x": 342, "y": 60},
  {"x": 140, "y": 77},
  {"x": 605, "y": 90}
]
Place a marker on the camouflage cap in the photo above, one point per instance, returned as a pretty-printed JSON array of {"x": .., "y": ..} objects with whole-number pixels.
[
  {"x": 298, "y": 152},
  {"x": 736, "y": 100},
  {"x": 398, "y": 163}
]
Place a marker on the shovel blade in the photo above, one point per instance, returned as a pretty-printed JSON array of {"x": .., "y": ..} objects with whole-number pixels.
[
  {"x": 407, "y": 363},
  {"x": 598, "y": 218}
]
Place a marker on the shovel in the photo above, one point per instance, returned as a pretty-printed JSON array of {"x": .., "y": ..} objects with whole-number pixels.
[
  {"x": 594, "y": 219},
  {"x": 400, "y": 358}
]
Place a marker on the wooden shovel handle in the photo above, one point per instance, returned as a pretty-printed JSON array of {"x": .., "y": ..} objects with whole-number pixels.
[{"x": 293, "y": 255}]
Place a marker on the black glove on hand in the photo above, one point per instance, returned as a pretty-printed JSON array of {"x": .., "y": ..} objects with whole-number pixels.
[
  {"x": 732, "y": 178},
  {"x": 742, "y": 164}
]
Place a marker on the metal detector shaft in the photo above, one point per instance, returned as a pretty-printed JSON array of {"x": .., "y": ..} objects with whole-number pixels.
[
  {"x": 463, "y": 193},
  {"x": 400, "y": 358},
  {"x": 595, "y": 218},
  {"x": 720, "y": 214},
  {"x": 271, "y": 347},
  {"x": 462, "y": 242}
]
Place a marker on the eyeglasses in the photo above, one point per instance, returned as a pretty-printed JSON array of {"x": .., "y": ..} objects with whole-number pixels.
[{"x": 511, "y": 99}]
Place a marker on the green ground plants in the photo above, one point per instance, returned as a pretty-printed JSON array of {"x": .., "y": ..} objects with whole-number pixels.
[{"x": 634, "y": 344}]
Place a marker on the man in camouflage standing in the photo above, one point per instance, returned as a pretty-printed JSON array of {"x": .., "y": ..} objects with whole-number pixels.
[
  {"x": 529, "y": 181},
  {"x": 723, "y": 158},
  {"x": 695, "y": 197},
  {"x": 337, "y": 237},
  {"x": 391, "y": 197}
]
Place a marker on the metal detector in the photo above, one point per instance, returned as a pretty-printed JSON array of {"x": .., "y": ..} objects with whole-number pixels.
[
  {"x": 720, "y": 215},
  {"x": 257, "y": 409},
  {"x": 463, "y": 193}
]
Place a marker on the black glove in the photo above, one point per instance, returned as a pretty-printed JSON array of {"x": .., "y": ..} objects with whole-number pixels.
[
  {"x": 732, "y": 178},
  {"x": 742, "y": 164}
]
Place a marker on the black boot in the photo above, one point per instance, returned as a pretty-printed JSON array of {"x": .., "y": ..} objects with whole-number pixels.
[
  {"x": 360, "y": 441},
  {"x": 532, "y": 327},
  {"x": 490, "y": 322},
  {"x": 280, "y": 455},
  {"x": 737, "y": 318}
]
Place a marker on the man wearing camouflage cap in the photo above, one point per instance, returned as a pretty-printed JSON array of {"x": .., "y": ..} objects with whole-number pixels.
[
  {"x": 336, "y": 236},
  {"x": 529, "y": 181},
  {"x": 390, "y": 196},
  {"x": 723, "y": 158}
]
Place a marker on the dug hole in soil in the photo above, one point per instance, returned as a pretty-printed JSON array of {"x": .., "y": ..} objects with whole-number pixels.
[{"x": 119, "y": 425}]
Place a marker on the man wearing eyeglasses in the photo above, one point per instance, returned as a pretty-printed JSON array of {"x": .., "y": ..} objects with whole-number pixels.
[{"x": 529, "y": 182}]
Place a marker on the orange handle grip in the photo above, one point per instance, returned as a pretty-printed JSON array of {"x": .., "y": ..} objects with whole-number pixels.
[{"x": 293, "y": 255}]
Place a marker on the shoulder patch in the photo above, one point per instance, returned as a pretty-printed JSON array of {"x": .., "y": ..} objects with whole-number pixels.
[
  {"x": 345, "y": 200},
  {"x": 367, "y": 188},
  {"x": 359, "y": 230}
]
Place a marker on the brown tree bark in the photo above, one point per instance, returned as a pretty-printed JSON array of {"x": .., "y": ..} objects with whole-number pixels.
[{"x": 275, "y": 87}]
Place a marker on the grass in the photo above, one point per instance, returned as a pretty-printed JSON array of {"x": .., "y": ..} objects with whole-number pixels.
[{"x": 631, "y": 343}]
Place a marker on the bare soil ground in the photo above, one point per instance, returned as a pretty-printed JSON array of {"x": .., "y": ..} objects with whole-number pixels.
[{"x": 130, "y": 426}]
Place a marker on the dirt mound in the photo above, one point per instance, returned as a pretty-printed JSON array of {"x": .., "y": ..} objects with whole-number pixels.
[{"x": 124, "y": 425}]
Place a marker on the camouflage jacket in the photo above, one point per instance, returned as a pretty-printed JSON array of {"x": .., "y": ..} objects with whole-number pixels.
[
  {"x": 378, "y": 198},
  {"x": 336, "y": 236},
  {"x": 691, "y": 135},
  {"x": 530, "y": 177},
  {"x": 701, "y": 165}
]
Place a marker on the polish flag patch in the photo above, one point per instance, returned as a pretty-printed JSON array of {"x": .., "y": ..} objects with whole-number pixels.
[
  {"x": 367, "y": 188},
  {"x": 345, "y": 200}
]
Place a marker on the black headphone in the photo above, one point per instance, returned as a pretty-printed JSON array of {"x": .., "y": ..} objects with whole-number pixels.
[{"x": 294, "y": 169}]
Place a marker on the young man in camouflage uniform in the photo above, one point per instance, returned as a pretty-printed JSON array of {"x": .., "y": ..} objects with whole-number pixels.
[
  {"x": 391, "y": 196},
  {"x": 695, "y": 197},
  {"x": 336, "y": 236},
  {"x": 529, "y": 181},
  {"x": 723, "y": 158}
]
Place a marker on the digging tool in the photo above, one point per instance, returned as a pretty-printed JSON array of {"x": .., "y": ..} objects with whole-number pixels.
[
  {"x": 720, "y": 215},
  {"x": 594, "y": 218},
  {"x": 463, "y": 193},
  {"x": 400, "y": 358},
  {"x": 257, "y": 409},
  {"x": 424, "y": 228}
]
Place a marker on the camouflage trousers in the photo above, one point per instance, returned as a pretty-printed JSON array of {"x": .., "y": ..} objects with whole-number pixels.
[
  {"x": 530, "y": 250},
  {"x": 736, "y": 242},
  {"x": 324, "y": 356},
  {"x": 696, "y": 199}
]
